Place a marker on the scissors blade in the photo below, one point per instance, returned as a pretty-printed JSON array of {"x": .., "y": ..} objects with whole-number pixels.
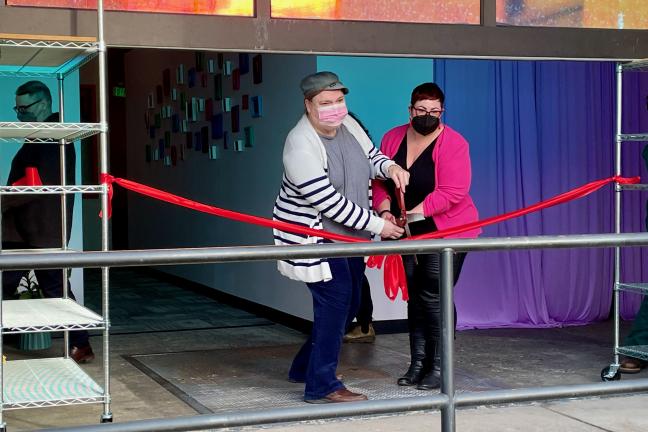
[
  {"x": 405, "y": 218},
  {"x": 408, "y": 233},
  {"x": 415, "y": 217}
]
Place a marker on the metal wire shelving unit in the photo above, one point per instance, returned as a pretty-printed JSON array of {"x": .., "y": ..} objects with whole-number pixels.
[
  {"x": 55, "y": 381},
  {"x": 611, "y": 372}
]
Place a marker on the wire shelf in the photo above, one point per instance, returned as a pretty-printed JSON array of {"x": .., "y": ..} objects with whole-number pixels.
[
  {"x": 48, "y": 133},
  {"x": 636, "y": 65},
  {"x": 635, "y": 351},
  {"x": 51, "y": 314},
  {"x": 47, "y": 382},
  {"x": 634, "y": 187},
  {"x": 40, "y": 56},
  {"x": 46, "y": 72},
  {"x": 36, "y": 251},
  {"x": 43, "y": 41},
  {"x": 19, "y": 73},
  {"x": 50, "y": 189},
  {"x": 52, "y": 381},
  {"x": 634, "y": 137},
  {"x": 640, "y": 288}
]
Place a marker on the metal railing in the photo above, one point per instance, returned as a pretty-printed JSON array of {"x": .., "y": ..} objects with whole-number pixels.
[{"x": 447, "y": 401}]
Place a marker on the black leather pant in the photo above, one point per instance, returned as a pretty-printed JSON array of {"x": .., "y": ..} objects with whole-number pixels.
[
  {"x": 364, "y": 317},
  {"x": 424, "y": 305}
]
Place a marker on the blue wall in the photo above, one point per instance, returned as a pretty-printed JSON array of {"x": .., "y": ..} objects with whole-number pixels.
[
  {"x": 537, "y": 129},
  {"x": 8, "y": 150},
  {"x": 379, "y": 94},
  {"x": 379, "y": 88}
]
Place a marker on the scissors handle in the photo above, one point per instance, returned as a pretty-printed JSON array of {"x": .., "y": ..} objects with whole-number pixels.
[{"x": 402, "y": 220}]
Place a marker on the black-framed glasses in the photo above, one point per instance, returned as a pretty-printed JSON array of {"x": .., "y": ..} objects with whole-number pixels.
[
  {"x": 22, "y": 109},
  {"x": 436, "y": 112}
]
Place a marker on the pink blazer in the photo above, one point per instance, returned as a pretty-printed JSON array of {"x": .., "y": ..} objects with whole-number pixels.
[{"x": 449, "y": 204}]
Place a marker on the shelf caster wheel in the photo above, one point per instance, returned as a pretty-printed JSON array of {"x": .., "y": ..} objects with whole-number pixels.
[
  {"x": 104, "y": 419},
  {"x": 606, "y": 375}
]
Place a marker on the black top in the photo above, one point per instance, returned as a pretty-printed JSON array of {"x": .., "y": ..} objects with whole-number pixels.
[
  {"x": 421, "y": 184},
  {"x": 36, "y": 219}
]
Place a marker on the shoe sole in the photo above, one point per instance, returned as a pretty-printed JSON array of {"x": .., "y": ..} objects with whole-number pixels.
[
  {"x": 629, "y": 371},
  {"x": 326, "y": 401},
  {"x": 318, "y": 401},
  {"x": 419, "y": 387},
  {"x": 86, "y": 360},
  {"x": 364, "y": 339}
]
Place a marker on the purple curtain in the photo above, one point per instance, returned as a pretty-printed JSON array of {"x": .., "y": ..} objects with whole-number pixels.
[{"x": 537, "y": 129}]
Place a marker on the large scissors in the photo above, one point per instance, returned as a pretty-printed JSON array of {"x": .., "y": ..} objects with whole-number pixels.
[{"x": 404, "y": 219}]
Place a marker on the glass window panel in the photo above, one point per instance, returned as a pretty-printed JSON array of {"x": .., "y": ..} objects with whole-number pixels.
[
  {"x": 200, "y": 7},
  {"x": 415, "y": 11},
  {"x": 612, "y": 14}
]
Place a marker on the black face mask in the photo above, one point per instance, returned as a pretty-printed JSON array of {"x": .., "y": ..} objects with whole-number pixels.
[
  {"x": 425, "y": 124},
  {"x": 26, "y": 117}
]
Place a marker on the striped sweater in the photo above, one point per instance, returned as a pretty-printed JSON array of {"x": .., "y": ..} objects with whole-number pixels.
[{"x": 306, "y": 195}]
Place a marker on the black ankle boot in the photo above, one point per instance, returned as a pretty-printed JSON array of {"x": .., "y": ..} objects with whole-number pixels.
[
  {"x": 418, "y": 364},
  {"x": 414, "y": 374},
  {"x": 431, "y": 381}
]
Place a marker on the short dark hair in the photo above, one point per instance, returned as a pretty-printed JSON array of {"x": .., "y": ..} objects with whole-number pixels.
[
  {"x": 427, "y": 91},
  {"x": 355, "y": 117},
  {"x": 37, "y": 89}
]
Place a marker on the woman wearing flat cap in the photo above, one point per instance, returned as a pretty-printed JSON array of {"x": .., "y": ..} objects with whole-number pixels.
[{"x": 329, "y": 162}]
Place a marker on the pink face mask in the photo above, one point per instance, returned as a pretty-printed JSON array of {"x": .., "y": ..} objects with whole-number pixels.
[{"x": 332, "y": 115}]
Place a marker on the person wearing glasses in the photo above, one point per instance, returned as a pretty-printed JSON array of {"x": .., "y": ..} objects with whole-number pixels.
[
  {"x": 437, "y": 158},
  {"x": 34, "y": 221}
]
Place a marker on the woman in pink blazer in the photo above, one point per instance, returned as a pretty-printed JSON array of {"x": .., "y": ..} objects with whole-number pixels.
[{"x": 439, "y": 164}]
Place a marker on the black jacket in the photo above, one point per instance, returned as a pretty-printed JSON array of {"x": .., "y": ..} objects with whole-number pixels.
[{"x": 36, "y": 219}]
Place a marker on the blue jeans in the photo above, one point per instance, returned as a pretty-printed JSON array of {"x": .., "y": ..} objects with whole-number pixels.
[{"x": 335, "y": 304}]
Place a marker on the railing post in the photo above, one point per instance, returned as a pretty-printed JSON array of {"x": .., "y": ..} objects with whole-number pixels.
[
  {"x": 447, "y": 340},
  {"x": 107, "y": 416},
  {"x": 64, "y": 203},
  {"x": 616, "y": 294}
]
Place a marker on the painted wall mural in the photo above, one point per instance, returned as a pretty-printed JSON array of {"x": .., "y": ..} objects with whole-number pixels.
[
  {"x": 423, "y": 11},
  {"x": 612, "y": 14},
  {"x": 189, "y": 112},
  {"x": 199, "y": 7}
]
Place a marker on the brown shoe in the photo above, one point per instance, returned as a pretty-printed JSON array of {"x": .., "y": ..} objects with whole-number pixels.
[
  {"x": 632, "y": 365},
  {"x": 82, "y": 355},
  {"x": 341, "y": 395},
  {"x": 358, "y": 336}
]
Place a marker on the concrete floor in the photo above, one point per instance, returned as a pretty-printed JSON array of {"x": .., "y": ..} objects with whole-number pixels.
[{"x": 491, "y": 358}]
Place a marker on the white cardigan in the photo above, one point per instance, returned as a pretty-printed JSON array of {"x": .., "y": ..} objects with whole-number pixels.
[{"x": 306, "y": 194}]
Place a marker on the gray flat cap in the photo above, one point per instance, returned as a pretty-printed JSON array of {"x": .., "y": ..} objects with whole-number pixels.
[{"x": 318, "y": 82}]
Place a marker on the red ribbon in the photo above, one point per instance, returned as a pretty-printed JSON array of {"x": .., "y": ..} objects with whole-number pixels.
[
  {"x": 108, "y": 180},
  {"x": 394, "y": 273},
  {"x": 571, "y": 195},
  {"x": 32, "y": 178},
  {"x": 393, "y": 276},
  {"x": 216, "y": 211}
]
